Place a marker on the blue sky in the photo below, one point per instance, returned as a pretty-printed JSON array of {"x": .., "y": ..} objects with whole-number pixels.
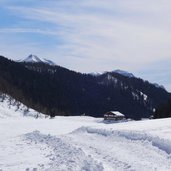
[{"x": 91, "y": 35}]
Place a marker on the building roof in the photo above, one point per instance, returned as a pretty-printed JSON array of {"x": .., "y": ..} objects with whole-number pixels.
[{"x": 117, "y": 113}]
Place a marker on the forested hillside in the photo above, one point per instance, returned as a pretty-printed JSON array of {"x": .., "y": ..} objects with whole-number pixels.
[
  {"x": 164, "y": 110},
  {"x": 55, "y": 90}
]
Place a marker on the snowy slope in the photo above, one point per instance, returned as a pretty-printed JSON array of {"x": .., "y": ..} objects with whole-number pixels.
[
  {"x": 10, "y": 108},
  {"x": 84, "y": 143},
  {"x": 130, "y": 75},
  {"x": 34, "y": 59}
]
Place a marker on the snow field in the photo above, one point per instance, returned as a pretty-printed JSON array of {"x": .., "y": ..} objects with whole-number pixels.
[
  {"x": 161, "y": 143},
  {"x": 10, "y": 108},
  {"x": 84, "y": 143},
  {"x": 16, "y": 155},
  {"x": 63, "y": 156},
  {"x": 120, "y": 150}
]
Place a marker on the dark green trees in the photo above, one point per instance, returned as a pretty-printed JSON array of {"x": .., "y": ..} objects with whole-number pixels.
[
  {"x": 164, "y": 111},
  {"x": 55, "y": 90}
]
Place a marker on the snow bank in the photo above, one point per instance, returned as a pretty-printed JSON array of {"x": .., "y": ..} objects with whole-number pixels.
[
  {"x": 124, "y": 150},
  {"x": 162, "y": 144},
  {"x": 84, "y": 143}
]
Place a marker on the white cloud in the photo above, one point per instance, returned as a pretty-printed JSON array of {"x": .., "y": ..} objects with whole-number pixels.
[
  {"x": 26, "y": 30},
  {"x": 106, "y": 36},
  {"x": 102, "y": 35}
]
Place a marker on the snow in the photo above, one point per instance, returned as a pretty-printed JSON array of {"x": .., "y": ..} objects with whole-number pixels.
[
  {"x": 31, "y": 58},
  {"x": 67, "y": 157},
  {"x": 121, "y": 152},
  {"x": 159, "y": 86},
  {"x": 135, "y": 96},
  {"x": 10, "y": 108},
  {"x": 117, "y": 113},
  {"x": 109, "y": 79},
  {"x": 124, "y": 73},
  {"x": 35, "y": 59},
  {"x": 144, "y": 96},
  {"x": 82, "y": 143},
  {"x": 47, "y": 61}
]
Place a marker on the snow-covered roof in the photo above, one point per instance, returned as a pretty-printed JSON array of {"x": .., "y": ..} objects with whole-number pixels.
[{"x": 117, "y": 113}]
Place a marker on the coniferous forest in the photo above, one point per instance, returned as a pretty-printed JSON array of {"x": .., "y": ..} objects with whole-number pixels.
[
  {"x": 55, "y": 90},
  {"x": 164, "y": 110}
]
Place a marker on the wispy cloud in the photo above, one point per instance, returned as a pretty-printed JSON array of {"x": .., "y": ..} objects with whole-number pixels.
[
  {"x": 97, "y": 35},
  {"x": 27, "y": 30}
]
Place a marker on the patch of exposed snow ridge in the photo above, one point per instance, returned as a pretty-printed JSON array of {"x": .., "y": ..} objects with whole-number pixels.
[
  {"x": 144, "y": 96},
  {"x": 34, "y": 59},
  {"x": 124, "y": 73}
]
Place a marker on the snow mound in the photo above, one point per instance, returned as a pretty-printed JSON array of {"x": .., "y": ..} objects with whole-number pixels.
[
  {"x": 63, "y": 156},
  {"x": 160, "y": 143},
  {"x": 124, "y": 150}
]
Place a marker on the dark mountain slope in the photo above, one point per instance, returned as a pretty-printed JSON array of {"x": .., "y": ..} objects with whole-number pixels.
[
  {"x": 55, "y": 90},
  {"x": 163, "y": 111},
  {"x": 131, "y": 94}
]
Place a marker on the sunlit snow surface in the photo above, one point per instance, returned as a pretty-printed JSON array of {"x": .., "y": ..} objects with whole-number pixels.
[
  {"x": 83, "y": 144},
  {"x": 10, "y": 108}
]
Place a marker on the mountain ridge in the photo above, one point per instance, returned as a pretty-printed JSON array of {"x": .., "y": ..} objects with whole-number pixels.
[
  {"x": 55, "y": 90},
  {"x": 35, "y": 59},
  {"x": 124, "y": 73}
]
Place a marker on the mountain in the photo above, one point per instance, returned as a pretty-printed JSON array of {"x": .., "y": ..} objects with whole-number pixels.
[
  {"x": 34, "y": 59},
  {"x": 130, "y": 75},
  {"x": 124, "y": 73},
  {"x": 55, "y": 90}
]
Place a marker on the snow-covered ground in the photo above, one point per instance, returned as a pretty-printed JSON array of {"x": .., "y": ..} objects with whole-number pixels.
[
  {"x": 84, "y": 144},
  {"x": 80, "y": 143},
  {"x": 10, "y": 108}
]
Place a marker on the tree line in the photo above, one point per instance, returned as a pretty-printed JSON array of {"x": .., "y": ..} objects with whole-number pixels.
[{"x": 55, "y": 90}]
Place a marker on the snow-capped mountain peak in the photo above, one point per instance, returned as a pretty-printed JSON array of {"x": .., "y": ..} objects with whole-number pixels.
[
  {"x": 124, "y": 73},
  {"x": 32, "y": 58},
  {"x": 35, "y": 59}
]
